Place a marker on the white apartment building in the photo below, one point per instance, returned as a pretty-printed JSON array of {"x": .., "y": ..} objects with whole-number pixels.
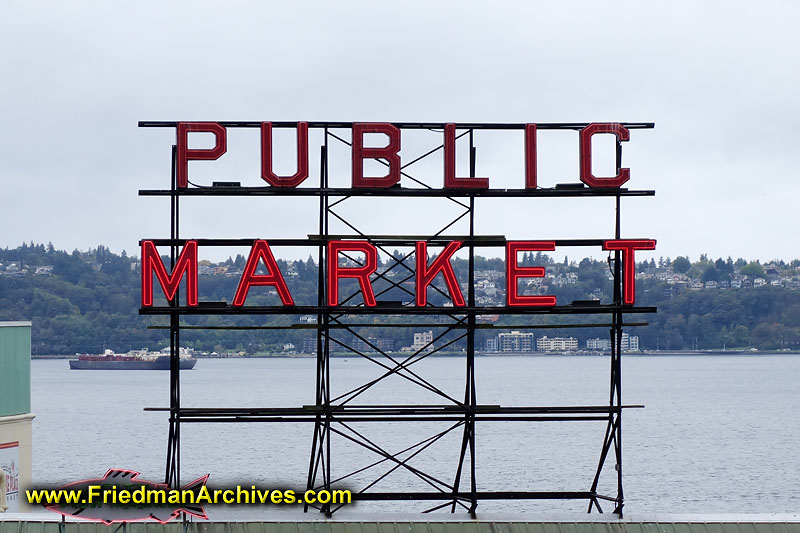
[
  {"x": 422, "y": 339},
  {"x": 629, "y": 343},
  {"x": 602, "y": 345},
  {"x": 515, "y": 341},
  {"x": 556, "y": 344}
]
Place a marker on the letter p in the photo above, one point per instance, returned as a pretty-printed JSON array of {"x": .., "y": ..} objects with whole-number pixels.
[{"x": 185, "y": 154}]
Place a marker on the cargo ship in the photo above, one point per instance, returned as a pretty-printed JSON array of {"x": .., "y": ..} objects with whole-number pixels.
[{"x": 133, "y": 360}]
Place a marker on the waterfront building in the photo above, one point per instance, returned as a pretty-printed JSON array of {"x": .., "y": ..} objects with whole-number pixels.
[
  {"x": 373, "y": 344},
  {"x": 515, "y": 341},
  {"x": 15, "y": 414},
  {"x": 629, "y": 343},
  {"x": 422, "y": 339},
  {"x": 556, "y": 344},
  {"x": 310, "y": 345},
  {"x": 491, "y": 344},
  {"x": 603, "y": 345}
]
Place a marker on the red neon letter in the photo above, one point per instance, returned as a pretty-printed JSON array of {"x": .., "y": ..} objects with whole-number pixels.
[
  {"x": 389, "y": 152},
  {"x": 628, "y": 263},
  {"x": 187, "y": 263},
  {"x": 450, "y": 180},
  {"x": 530, "y": 156},
  {"x": 441, "y": 264},
  {"x": 514, "y": 272},
  {"x": 259, "y": 251},
  {"x": 185, "y": 154},
  {"x": 361, "y": 273},
  {"x": 266, "y": 157},
  {"x": 587, "y": 177}
]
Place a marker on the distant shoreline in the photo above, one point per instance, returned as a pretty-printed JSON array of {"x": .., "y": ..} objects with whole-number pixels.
[{"x": 646, "y": 353}]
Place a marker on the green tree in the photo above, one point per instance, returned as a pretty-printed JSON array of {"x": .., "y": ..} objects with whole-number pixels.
[
  {"x": 741, "y": 336},
  {"x": 752, "y": 269},
  {"x": 681, "y": 265},
  {"x": 710, "y": 274}
]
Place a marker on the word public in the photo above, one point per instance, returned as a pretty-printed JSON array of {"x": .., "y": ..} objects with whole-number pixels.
[
  {"x": 390, "y": 153},
  {"x": 261, "y": 254}
]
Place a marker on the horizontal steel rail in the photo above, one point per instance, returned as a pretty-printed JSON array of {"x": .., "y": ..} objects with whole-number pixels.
[
  {"x": 409, "y": 325},
  {"x": 223, "y": 308},
  {"x": 383, "y": 240},
  {"x": 402, "y": 125},
  {"x": 571, "y": 192},
  {"x": 398, "y": 409},
  {"x": 397, "y": 413}
]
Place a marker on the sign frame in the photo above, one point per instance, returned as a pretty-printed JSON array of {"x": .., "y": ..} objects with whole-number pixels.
[{"x": 329, "y": 415}]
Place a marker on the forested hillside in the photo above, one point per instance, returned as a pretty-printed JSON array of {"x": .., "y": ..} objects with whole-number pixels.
[{"x": 88, "y": 301}]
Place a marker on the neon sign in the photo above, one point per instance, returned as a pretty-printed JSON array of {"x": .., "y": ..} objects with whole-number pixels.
[{"x": 389, "y": 154}]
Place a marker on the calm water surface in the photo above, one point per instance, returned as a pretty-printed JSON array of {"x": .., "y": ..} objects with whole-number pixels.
[{"x": 719, "y": 434}]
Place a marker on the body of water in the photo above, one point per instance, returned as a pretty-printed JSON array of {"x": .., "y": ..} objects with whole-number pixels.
[{"x": 719, "y": 434}]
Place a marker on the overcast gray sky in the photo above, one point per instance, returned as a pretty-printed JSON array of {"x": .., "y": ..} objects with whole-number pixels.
[{"x": 719, "y": 79}]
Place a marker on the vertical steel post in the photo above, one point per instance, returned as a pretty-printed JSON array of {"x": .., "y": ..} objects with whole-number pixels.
[
  {"x": 172, "y": 476},
  {"x": 326, "y": 351},
  {"x": 321, "y": 446},
  {"x": 471, "y": 394},
  {"x": 617, "y": 361},
  {"x": 613, "y": 435}
]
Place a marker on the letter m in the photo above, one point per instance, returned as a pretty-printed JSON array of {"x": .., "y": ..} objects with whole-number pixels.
[{"x": 152, "y": 264}]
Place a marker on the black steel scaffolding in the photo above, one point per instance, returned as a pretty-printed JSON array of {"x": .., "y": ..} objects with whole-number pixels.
[{"x": 337, "y": 328}]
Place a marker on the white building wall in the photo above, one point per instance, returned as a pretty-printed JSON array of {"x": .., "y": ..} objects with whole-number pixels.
[
  {"x": 422, "y": 339},
  {"x": 556, "y": 344},
  {"x": 515, "y": 342},
  {"x": 16, "y": 459}
]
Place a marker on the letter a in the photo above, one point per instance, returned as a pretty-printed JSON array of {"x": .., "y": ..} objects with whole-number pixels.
[{"x": 261, "y": 251}]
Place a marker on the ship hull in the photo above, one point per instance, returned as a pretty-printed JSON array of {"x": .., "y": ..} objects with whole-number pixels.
[{"x": 160, "y": 363}]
